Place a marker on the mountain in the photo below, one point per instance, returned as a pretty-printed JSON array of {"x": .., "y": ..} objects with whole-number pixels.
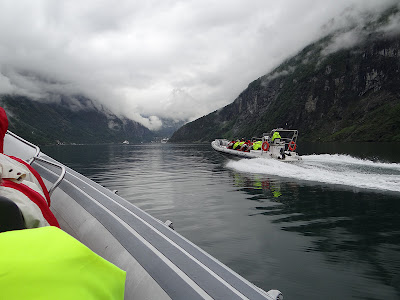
[
  {"x": 69, "y": 120},
  {"x": 344, "y": 87}
]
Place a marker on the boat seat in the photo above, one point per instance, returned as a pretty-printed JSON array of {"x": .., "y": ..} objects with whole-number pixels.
[{"x": 10, "y": 215}]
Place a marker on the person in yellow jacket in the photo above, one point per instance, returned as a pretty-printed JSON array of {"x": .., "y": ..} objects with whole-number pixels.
[
  {"x": 46, "y": 263},
  {"x": 276, "y": 135},
  {"x": 236, "y": 144},
  {"x": 240, "y": 145},
  {"x": 257, "y": 145}
]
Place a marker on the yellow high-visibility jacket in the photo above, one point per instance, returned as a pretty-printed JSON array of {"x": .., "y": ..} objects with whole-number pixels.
[
  {"x": 47, "y": 263},
  {"x": 257, "y": 145},
  {"x": 276, "y": 135}
]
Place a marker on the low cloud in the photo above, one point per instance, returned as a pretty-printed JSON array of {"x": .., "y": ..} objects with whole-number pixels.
[
  {"x": 393, "y": 26},
  {"x": 353, "y": 28},
  {"x": 345, "y": 40},
  {"x": 147, "y": 60}
]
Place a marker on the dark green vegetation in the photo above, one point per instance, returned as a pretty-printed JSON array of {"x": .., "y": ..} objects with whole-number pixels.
[
  {"x": 350, "y": 94},
  {"x": 50, "y": 123}
]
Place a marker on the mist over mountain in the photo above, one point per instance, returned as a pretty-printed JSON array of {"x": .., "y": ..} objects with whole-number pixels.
[
  {"x": 76, "y": 120},
  {"x": 344, "y": 87},
  {"x": 168, "y": 128}
]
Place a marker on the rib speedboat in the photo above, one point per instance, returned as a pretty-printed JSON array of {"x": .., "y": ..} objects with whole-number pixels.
[
  {"x": 279, "y": 144},
  {"x": 159, "y": 262}
]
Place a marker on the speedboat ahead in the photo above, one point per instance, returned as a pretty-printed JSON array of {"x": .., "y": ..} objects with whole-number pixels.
[{"x": 279, "y": 144}]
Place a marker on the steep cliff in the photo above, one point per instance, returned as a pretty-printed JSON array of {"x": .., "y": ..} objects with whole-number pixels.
[{"x": 327, "y": 92}]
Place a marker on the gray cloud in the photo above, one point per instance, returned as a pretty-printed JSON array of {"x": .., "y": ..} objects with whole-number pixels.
[
  {"x": 148, "y": 60},
  {"x": 356, "y": 29}
]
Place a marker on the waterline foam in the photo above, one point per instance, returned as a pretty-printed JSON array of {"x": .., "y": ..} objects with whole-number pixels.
[{"x": 328, "y": 169}]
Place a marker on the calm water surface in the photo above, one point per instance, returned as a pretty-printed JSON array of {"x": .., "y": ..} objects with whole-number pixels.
[{"x": 327, "y": 227}]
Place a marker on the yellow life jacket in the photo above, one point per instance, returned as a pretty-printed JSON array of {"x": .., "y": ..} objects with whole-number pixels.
[
  {"x": 47, "y": 263},
  {"x": 257, "y": 145},
  {"x": 276, "y": 135}
]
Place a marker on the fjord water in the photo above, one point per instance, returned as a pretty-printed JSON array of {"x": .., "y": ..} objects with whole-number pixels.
[{"x": 326, "y": 227}]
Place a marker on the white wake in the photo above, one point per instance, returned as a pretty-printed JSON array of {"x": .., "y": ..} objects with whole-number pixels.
[{"x": 328, "y": 169}]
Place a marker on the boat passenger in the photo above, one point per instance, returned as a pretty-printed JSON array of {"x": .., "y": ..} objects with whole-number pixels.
[
  {"x": 47, "y": 263},
  {"x": 21, "y": 184},
  {"x": 240, "y": 145},
  {"x": 230, "y": 145},
  {"x": 27, "y": 195},
  {"x": 236, "y": 144},
  {"x": 257, "y": 145},
  {"x": 246, "y": 146},
  {"x": 276, "y": 135}
]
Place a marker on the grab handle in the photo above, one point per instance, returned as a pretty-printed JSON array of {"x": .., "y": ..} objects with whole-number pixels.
[
  {"x": 37, "y": 149},
  {"x": 60, "y": 177}
]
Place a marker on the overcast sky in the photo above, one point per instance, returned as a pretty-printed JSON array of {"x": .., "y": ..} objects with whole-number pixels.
[{"x": 159, "y": 58}]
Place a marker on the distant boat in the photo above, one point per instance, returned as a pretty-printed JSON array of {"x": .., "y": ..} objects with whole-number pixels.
[
  {"x": 125, "y": 142},
  {"x": 282, "y": 148},
  {"x": 164, "y": 140}
]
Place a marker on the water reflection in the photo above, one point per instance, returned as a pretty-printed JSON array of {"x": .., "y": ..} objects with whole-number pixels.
[
  {"x": 350, "y": 228},
  {"x": 267, "y": 185}
]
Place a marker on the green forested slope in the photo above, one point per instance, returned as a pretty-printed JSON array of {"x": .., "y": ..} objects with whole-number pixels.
[{"x": 50, "y": 123}]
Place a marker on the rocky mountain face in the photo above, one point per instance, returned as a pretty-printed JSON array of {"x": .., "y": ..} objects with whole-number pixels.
[
  {"x": 327, "y": 92},
  {"x": 68, "y": 121}
]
